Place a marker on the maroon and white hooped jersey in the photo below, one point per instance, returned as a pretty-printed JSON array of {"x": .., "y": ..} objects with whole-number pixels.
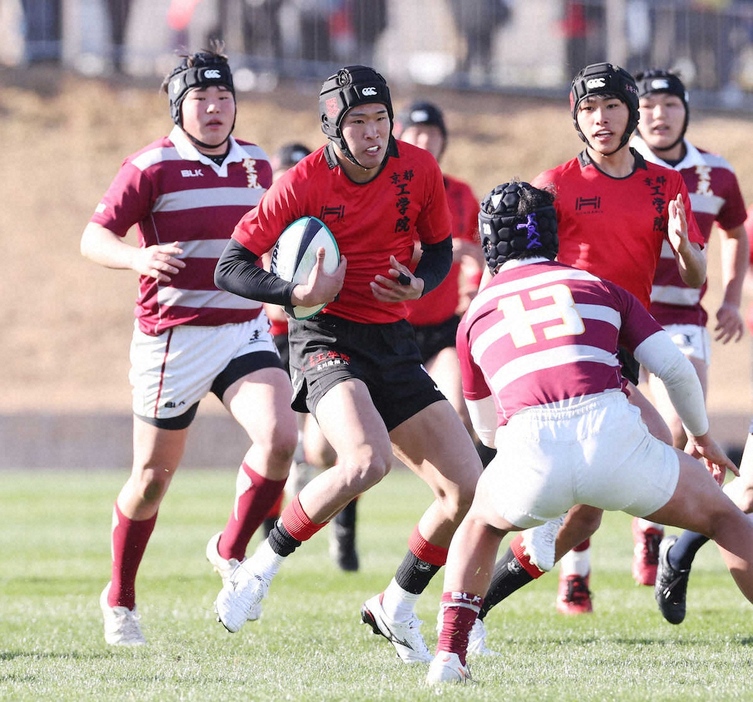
[
  {"x": 714, "y": 197},
  {"x": 545, "y": 333},
  {"x": 171, "y": 192}
]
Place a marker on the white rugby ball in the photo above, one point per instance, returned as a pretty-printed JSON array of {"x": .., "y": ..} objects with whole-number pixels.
[{"x": 294, "y": 257}]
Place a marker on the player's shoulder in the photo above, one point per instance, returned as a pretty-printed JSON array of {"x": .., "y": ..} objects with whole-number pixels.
[
  {"x": 713, "y": 159},
  {"x": 551, "y": 176},
  {"x": 252, "y": 149},
  {"x": 162, "y": 149}
]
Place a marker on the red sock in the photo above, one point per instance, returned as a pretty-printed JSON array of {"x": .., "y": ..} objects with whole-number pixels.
[
  {"x": 459, "y": 612},
  {"x": 254, "y": 497},
  {"x": 425, "y": 551},
  {"x": 516, "y": 545},
  {"x": 297, "y": 523},
  {"x": 129, "y": 540},
  {"x": 276, "y": 508},
  {"x": 583, "y": 545}
]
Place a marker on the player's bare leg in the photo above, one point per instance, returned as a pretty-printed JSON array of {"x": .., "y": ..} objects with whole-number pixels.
[{"x": 699, "y": 505}]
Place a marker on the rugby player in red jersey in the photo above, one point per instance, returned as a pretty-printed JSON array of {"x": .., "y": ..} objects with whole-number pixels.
[
  {"x": 538, "y": 350},
  {"x": 356, "y": 366}
]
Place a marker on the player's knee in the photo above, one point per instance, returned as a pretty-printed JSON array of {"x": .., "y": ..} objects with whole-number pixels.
[
  {"x": 364, "y": 472},
  {"x": 151, "y": 485}
]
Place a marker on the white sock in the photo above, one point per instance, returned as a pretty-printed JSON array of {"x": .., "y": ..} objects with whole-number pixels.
[
  {"x": 398, "y": 604},
  {"x": 647, "y": 524},
  {"x": 265, "y": 562},
  {"x": 576, "y": 563}
]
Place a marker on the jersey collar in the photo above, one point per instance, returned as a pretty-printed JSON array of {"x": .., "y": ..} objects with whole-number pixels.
[
  {"x": 188, "y": 152},
  {"x": 692, "y": 158}
]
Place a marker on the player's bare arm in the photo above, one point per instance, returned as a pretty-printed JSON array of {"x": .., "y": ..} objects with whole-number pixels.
[
  {"x": 691, "y": 259},
  {"x": 103, "y": 246},
  {"x": 321, "y": 287},
  {"x": 735, "y": 254}
]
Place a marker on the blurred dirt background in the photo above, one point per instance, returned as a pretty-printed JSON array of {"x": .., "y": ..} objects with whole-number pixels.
[{"x": 67, "y": 322}]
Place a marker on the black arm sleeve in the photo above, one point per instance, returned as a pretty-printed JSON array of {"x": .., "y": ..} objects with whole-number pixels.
[
  {"x": 435, "y": 263},
  {"x": 238, "y": 273}
]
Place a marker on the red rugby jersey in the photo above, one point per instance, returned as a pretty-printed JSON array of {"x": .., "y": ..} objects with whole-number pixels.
[
  {"x": 714, "y": 197},
  {"x": 442, "y": 302},
  {"x": 542, "y": 333},
  {"x": 171, "y": 192},
  {"x": 614, "y": 227},
  {"x": 370, "y": 221}
]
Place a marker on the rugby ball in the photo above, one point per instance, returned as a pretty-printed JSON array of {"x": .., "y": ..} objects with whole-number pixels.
[{"x": 294, "y": 257}]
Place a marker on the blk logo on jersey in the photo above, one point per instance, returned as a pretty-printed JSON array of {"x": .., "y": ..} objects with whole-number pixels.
[{"x": 192, "y": 173}]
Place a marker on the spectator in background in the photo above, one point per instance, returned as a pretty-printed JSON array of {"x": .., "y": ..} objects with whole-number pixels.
[
  {"x": 582, "y": 24},
  {"x": 118, "y": 11},
  {"x": 478, "y": 21},
  {"x": 706, "y": 26},
  {"x": 314, "y": 17},
  {"x": 42, "y": 30},
  {"x": 368, "y": 19},
  {"x": 260, "y": 22}
]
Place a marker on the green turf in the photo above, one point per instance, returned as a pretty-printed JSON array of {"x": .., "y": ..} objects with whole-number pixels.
[{"x": 54, "y": 561}]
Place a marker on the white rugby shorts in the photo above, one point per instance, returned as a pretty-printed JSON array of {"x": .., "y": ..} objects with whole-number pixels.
[
  {"x": 597, "y": 453},
  {"x": 692, "y": 340},
  {"x": 174, "y": 370}
]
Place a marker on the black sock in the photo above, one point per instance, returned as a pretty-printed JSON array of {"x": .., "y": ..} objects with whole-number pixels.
[
  {"x": 347, "y": 517},
  {"x": 508, "y": 577},
  {"x": 683, "y": 551},
  {"x": 414, "y": 575},
  {"x": 282, "y": 543}
]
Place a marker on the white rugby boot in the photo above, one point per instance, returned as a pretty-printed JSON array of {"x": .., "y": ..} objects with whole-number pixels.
[
  {"x": 121, "y": 624},
  {"x": 404, "y": 636}
]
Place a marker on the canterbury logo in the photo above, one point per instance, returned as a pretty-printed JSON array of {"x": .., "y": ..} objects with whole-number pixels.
[
  {"x": 595, "y": 83},
  {"x": 369, "y": 92},
  {"x": 212, "y": 74}
]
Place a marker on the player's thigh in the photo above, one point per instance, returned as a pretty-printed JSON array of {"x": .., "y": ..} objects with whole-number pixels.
[
  {"x": 697, "y": 502},
  {"x": 352, "y": 425},
  {"x": 740, "y": 490},
  {"x": 444, "y": 369},
  {"x": 317, "y": 450},
  {"x": 157, "y": 452},
  {"x": 437, "y": 447},
  {"x": 260, "y": 403}
]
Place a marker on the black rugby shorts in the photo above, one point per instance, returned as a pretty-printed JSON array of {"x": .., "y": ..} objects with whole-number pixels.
[{"x": 326, "y": 350}]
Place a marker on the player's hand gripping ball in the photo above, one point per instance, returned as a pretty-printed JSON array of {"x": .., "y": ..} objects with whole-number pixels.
[{"x": 294, "y": 257}]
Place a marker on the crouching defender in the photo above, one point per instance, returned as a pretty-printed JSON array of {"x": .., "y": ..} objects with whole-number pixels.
[{"x": 538, "y": 352}]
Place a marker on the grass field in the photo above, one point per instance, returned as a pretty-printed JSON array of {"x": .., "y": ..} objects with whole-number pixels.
[{"x": 54, "y": 561}]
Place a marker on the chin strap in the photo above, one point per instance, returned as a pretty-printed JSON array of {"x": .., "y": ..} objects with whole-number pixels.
[{"x": 203, "y": 145}]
